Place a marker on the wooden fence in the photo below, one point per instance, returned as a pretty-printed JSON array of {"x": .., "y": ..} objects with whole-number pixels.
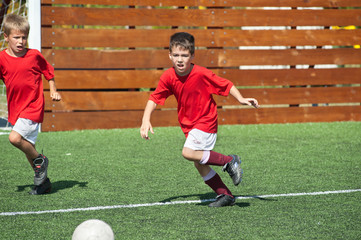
[{"x": 300, "y": 59}]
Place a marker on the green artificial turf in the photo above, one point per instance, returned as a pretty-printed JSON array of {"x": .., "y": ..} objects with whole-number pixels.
[{"x": 95, "y": 168}]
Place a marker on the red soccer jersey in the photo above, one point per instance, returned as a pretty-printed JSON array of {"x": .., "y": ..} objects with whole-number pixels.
[
  {"x": 196, "y": 106},
  {"x": 24, "y": 85}
]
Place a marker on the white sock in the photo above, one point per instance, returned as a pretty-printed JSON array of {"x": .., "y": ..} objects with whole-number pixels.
[
  {"x": 211, "y": 174},
  {"x": 205, "y": 157}
]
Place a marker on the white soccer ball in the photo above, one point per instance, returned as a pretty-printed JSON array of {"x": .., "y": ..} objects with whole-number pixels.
[{"x": 93, "y": 229}]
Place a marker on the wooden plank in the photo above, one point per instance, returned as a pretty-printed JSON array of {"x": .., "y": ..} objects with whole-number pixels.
[
  {"x": 229, "y": 58},
  {"x": 193, "y": 17},
  {"x": 110, "y": 59},
  {"x": 289, "y": 115},
  {"x": 125, "y": 59},
  {"x": 103, "y": 100},
  {"x": 286, "y": 77},
  {"x": 103, "y": 120},
  {"x": 91, "y": 120},
  {"x": 105, "y": 79},
  {"x": 128, "y": 79},
  {"x": 300, "y": 95},
  {"x": 216, "y": 3},
  {"x": 90, "y": 100},
  {"x": 138, "y": 38},
  {"x": 68, "y": 121}
]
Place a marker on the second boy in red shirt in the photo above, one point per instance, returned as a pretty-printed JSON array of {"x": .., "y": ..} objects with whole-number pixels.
[{"x": 21, "y": 70}]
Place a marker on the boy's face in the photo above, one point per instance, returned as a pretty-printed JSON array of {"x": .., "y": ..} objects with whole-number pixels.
[
  {"x": 16, "y": 43},
  {"x": 181, "y": 60}
]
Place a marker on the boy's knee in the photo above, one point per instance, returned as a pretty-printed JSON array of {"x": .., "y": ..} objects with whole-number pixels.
[
  {"x": 15, "y": 139},
  {"x": 192, "y": 155},
  {"x": 187, "y": 153}
]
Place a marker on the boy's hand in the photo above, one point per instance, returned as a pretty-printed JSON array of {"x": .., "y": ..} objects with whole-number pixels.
[
  {"x": 244, "y": 101},
  {"x": 146, "y": 125},
  {"x": 251, "y": 102},
  {"x": 144, "y": 130},
  {"x": 55, "y": 96}
]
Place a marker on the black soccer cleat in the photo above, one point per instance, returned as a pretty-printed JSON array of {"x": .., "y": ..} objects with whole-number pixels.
[
  {"x": 234, "y": 169},
  {"x": 41, "y": 169},
  {"x": 223, "y": 201},
  {"x": 43, "y": 188}
]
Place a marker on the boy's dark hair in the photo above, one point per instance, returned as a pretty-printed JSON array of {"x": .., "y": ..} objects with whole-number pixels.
[
  {"x": 16, "y": 22},
  {"x": 183, "y": 40}
]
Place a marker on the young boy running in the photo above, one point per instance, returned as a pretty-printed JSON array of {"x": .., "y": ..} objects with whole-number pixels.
[
  {"x": 21, "y": 70},
  {"x": 193, "y": 86}
]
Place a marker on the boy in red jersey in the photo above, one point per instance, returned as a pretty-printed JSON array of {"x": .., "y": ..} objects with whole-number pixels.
[
  {"x": 193, "y": 86},
  {"x": 21, "y": 70}
]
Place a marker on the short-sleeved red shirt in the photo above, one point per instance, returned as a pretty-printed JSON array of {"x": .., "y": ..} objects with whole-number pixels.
[
  {"x": 196, "y": 106},
  {"x": 24, "y": 85}
]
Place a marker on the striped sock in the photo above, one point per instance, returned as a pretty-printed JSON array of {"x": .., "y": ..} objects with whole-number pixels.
[
  {"x": 217, "y": 184},
  {"x": 214, "y": 158}
]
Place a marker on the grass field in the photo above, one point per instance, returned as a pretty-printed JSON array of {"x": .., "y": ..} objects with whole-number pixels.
[{"x": 116, "y": 168}]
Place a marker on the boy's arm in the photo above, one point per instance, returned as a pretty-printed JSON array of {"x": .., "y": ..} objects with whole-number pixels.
[
  {"x": 146, "y": 125},
  {"x": 244, "y": 101},
  {"x": 54, "y": 94}
]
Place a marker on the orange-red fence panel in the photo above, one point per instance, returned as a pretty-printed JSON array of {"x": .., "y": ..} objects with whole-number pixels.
[{"x": 300, "y": 59}]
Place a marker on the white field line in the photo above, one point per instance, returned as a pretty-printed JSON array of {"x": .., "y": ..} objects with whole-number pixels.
[{"x": 172, "y": 203}]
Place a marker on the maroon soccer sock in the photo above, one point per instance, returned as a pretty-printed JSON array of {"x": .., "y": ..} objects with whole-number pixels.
[
  {"x": 218, "y": 186},
  {"x": 217, "y": 159}
]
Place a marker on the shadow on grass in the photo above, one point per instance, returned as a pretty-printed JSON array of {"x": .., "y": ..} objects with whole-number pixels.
[
  {"x": 205, "y": 199},
  {"x": 238, "y": 204},
  {"x": 57, "y": 186},
  {"x": 260, "y": 198}
]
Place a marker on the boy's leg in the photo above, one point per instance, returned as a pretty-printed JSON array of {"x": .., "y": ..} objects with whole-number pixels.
[
  {"x": 231, "y": 163},
  {"x": 23, "y": 136},
  {"x": 197, "y": 148},
  {"x": 215, "y": 158},
  {"x": 214, "y": 181},
  {"x": 37, "y": 161},
  {"x": 26, "y": 147}
]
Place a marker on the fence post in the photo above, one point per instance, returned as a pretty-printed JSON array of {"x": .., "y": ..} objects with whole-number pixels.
[{"x": 34, "y": 18}]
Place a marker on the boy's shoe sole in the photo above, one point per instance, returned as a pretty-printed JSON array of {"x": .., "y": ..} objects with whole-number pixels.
[
  {"x": 223, "y": 201},
  {"x": 41, "y": 169},
  {"x": 43, "y": 188},
  {"x": 234, "y": 169}
]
